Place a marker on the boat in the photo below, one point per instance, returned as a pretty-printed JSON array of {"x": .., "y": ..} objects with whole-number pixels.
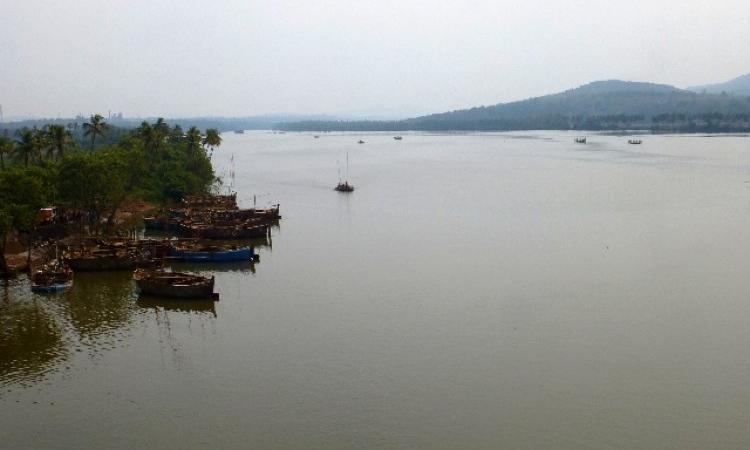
[
  {"x": 51, "y": 278},
  {"x": 344, "y": 186},
  {"x": 101, "y": 258},
  {"x": 173, "y": 284},
  {"x": 580, "y": 140},
  {"x": 360, "y": 141},
  {"x": 239, "y": 131},
  {"x": 196, "y": 252},
  {"x": 246, "y": 230},
  {"x": 398, "y": 138},
  {"x": 635, "y": 141},
  {"x": 316, "y": 136}
]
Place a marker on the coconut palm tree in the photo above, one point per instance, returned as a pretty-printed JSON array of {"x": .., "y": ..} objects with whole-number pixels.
[
  {"x": 59, "y": 139},
  {"x": 96, "y": 127},
  {"x": 193, "y": 139},
  {"x": 6, "y": 149},
  {"x": 150, "y": 138},
  {"x": 212, "y": 139},
  {"x": 27, "y": 145}
]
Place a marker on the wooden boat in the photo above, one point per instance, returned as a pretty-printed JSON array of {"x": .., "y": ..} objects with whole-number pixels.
[
  {"x": 248, "y": 230},
  {"x": 52, "y": 278},
  {"x": 102, "y": 259},
  {"x": 211, "y": 201},
  {"x": 635, "y": 141},
  {"x": 210, "y": 253},
  {"x": 580, "y": 140},
  {"x": 173, "y": 284}
]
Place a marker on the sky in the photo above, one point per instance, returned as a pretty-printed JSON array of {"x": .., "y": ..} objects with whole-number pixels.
[{"x": 381, "y": 58}]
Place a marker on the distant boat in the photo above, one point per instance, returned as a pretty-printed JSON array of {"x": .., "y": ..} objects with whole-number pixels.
[
  {"x": 361, "y": 142},
  {"x": 316, "y": 136},
  {"x": 398, "y": 138},
  {"x": 580, "y": 140},
  {"x": 345, "y": 186},
  {"x": 635, "y": 141},
  {"x": 239, "y": 131}
]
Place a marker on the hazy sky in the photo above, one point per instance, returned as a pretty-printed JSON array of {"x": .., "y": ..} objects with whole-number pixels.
[{"x": 403, "y": 57}]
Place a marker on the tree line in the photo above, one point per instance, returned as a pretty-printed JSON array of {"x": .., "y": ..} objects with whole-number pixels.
[{"x": 155, "y": 162}]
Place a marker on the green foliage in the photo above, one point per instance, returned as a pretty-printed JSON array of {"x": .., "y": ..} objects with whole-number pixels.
[
  {"x": 22, "y": 193},
  {"x": 95, "y": 127},
  {"x": 154, "y": 162}
]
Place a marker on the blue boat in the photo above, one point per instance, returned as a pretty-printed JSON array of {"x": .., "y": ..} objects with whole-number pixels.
[
  {"x": 197, "y": 253},
  {"x": 51, "y": 278},
  {"x": 51, "y": 288}
]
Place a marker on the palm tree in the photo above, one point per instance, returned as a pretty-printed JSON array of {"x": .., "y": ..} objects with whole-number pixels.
[
  {"x": 150, "y": 137},
  {"x": 96, "y": 127},
  {"x": 212, "y": 139},
  {"x": 176, "y": 135},
  {"x": 59, "y": 139},
  {"x": 193, "y": 139},
  {"x": 6, "y": 149},
  {"x": 27, "y": 145}
]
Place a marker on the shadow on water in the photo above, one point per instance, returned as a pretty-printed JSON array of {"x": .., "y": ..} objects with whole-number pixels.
[
  {"x": 100, "y": 305},
  {"x": 31, "y": 340},
  {"x": 168, "y": 304}
]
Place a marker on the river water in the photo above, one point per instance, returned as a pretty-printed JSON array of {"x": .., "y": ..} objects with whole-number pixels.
[{"x": 511, "y": 290}]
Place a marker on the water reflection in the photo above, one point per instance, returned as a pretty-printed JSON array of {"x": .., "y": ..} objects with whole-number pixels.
[
  {"x": 166, "y": 304},
  {"x": 99, "y": 304},
  {"x": 31, "y": 341}
]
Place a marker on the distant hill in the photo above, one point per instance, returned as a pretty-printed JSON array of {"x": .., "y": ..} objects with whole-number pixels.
[
  {"x": 610, "y": 104},
  {"x": 737, "y": 86}
]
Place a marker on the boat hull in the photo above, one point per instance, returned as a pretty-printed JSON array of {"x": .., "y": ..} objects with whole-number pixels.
[
  {"x": 174, "y": 285},
  {"x": 51, "y": 288},
  {"x": 240, "y": 254}
]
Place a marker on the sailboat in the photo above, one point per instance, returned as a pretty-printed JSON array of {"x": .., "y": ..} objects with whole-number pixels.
[{"x": 345, "y": 186}]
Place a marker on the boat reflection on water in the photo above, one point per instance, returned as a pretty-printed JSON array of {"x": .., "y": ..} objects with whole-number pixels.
[
  {"x": 206, "y": 268},
  {"x": 31, "y": 339},
  {"x": 171, "y": 304}
]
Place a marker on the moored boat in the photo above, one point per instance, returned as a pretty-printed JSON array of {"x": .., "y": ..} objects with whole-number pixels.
[
  {"x": 398, "y": 138},
  {"x": 51, "y": 278},
  {"x": 195, "y": 252},
  {"x": 173, "y": 284},
  {"x": 580, "y": 140},
  {"x": 635, "y": 142}
]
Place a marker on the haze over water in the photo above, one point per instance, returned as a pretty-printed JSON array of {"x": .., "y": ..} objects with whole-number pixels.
[{"x": 510, "y": 290}]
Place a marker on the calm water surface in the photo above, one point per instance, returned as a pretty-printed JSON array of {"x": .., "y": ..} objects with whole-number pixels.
[{"x": 475, "y": 291}]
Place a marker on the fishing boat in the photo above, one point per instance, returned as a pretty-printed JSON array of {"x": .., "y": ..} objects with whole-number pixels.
[
  {"x": 102, "y": 259},
  {"x": 52, "y": 278},
  {"x": 344, "y": 186},
  {"x": 248, "y": 230},
  {"x": 580, "y": 140},
  {"x": 173, "y": 284},
  {"x": 635, "y": 142},
  {"x": 360, "y": 141},
  {"x": 398, "y": 138},
  {"x": 196, "y": 252}
]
